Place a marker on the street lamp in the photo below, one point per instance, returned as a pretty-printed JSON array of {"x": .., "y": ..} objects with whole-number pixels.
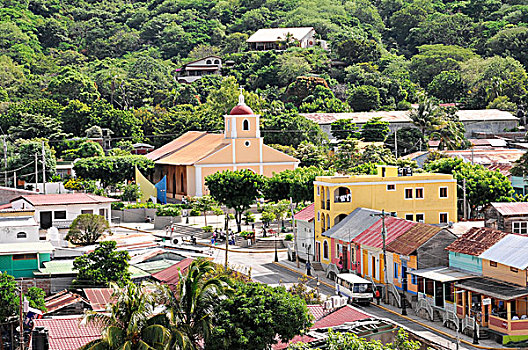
[{"x": 276, "y": 253}]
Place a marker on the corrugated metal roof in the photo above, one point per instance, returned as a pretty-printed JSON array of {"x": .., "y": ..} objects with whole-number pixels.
[
  {"x": 493, "y": 288},
  {"x": 171, "y": 275},
  {"x": 61, "y": 300},
  {"x": 307, "y": 214},
  {"x": 27, "y": 247},
  {"x": 395, "y": 227},
  {"x": 277, "y": 34},
  {"x": 511, "y": 250},
  {"x": 195, "y": 150},
  {"x": 413, "y": 238},
  {"x": 156, "y": 266},
  {"x": 354, "y": 224},
  {"x": 442, "y": 274},
  {"x": 340, "y": 316},
  {"x": 514, "y": 208},
  {"x": 476, "y": 241},
  {"x": 175, "y": 145},
  {"x": 57, "y": 267},
  {"x": 99, "y": 297}
]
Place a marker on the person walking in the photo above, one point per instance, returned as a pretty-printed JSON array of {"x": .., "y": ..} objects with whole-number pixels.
[{"x": 308, "y": 269}]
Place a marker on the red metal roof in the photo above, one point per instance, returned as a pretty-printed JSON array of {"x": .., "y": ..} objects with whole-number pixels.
[
  {"x": 68, "y": 333},
  {"x": 317, "y": 311},
  {"x": 340, "y": 316},
  {"x": 99, "y": 297},
  {"x": 504, "y": 169},
  {"x": 476, "y": 241},
  {"x": 307, "y": 214},
  {"x": 413, "y": 238},
  {"x": 395, "y": 227},
  {"x": 514, "y": 208},
  {"x": 65, "y": 198},
  {"x": 171, "y": 275},
  {"x": 62, "y": 299}
]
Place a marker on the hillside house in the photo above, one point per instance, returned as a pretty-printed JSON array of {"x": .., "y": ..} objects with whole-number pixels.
[
  {"x": 282, "y": 38},
  {"x": 195, "y": 70}
]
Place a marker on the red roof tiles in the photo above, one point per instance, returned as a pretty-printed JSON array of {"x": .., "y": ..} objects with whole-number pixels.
[
  {"x": 476, "y": 241},
  {"x": 307, "y": 214},
  {"x": 65, "y": 198},
  {"x": 68, "y": 333},
  {"x": 340, "y": 316}
]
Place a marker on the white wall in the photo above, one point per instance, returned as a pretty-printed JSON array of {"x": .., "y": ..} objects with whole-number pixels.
[
  {"x": 305, "y": 237},
  {"x": 9, "y": 229},
  {"x": 72, "y": 210}
]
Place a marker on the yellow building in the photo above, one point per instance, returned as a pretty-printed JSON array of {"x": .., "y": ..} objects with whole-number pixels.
[
  {"x": 422, "y": 197},
  {"x": 189, "y": 159}
]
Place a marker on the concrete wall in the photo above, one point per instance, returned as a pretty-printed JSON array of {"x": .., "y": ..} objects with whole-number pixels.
[
  {"x": 8, "y": 234},
  {"x": 7, "y": 194},
  {"x": 305, "y": 238}
]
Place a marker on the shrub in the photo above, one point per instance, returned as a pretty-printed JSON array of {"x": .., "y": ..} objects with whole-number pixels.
[
  {"x": 288, "y": 237},
  {"x": 246, "y": 234},
  {"x": 118, "y": 206},
  {"x": 195, "y": 212},
  {"x": 207, "y": 228},
  {"x": 168, "y": 211}
]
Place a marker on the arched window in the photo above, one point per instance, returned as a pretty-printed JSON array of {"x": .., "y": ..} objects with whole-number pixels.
[
  {"x": 21, "y": 235},
  {"x": 216, "y": 61},
  {"x": 342, "y": 195},
  {"x": 338, "y": 218},
  {"x": 173, "y": 185},
  {"x": 208, "y": 62},
  {"x": 245, "y": 125},
  {"x": 325, "y": 250},
  {"x": 328, "y": 222},
  {"x": 323, "y": 225}
]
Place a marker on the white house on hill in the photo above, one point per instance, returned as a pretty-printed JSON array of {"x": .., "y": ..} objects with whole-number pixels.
[{"x": 273, "y": 38}]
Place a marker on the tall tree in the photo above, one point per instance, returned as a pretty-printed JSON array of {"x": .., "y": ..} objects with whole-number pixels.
[
  {"x": 236, "y": 190},
  {"x": 375, "y": 130},
  {"x": 87, "y": 229}
]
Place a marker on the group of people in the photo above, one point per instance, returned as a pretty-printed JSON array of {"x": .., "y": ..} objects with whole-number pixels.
[{"x": 221, "y": 235}]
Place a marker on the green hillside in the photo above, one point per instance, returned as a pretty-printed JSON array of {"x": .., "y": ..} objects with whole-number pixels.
[{"x": 67, "y": 65}]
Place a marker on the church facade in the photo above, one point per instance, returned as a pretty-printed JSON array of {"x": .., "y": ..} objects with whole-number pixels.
[{"x": 189, "y": 159}]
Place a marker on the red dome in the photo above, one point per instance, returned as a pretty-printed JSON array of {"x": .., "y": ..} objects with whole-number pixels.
[{"x": 241, "y": 110}]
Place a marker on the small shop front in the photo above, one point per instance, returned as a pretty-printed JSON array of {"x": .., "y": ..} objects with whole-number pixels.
[{"x": 499, "y": 306}]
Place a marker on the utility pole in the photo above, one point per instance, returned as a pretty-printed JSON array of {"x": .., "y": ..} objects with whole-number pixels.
[
  {"x": 5, "y": 160},
  {"x": 227, "y": 235},
  {"x": 36, "y": 172},
  {"x": 294, "y": 233},
  {"x": 465, "y": 206},
  {"x": 383, "y": 236},
  {"x": 44, "y": 167},
  {"x": 396, "y": 143},
  {"x": 14, "y": 180},
  {"x": 21, "y": 318}
]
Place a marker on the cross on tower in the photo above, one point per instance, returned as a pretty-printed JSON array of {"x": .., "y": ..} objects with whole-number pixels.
[{"x": 241, "y": 96}]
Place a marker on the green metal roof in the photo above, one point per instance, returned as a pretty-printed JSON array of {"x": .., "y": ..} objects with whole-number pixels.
[
  {"x": 137, "y": 272},
  {"x": 156, "y": 266},
  {"x": 57, "y": 267}
]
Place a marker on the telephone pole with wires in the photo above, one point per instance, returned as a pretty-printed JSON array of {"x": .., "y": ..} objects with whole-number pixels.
[
  {"x": 383, "y": 237},
  {"x": 43, "y": 167}
]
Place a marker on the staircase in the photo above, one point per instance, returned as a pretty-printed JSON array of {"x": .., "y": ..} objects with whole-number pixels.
[
  {"x": 268, "y": 244},
  {"x": 189, "y": 231},
  {"x": 317, "y": 266}
]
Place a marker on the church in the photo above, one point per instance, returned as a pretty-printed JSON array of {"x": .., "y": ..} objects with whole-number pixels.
[{"x": 189, "y": 159}]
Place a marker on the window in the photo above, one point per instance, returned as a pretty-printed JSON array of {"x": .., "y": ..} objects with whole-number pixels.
[
  {"x": 318, "y": 216},
  {"x": 443, "y": 218},
  {"x": 245, "y": 125},
  {"x": 208, "y": 62},
  {"x": 60, "y": 215},
  {"x": 493, "y": 264},
  {"x": 513, "y": 269},
  {"x": 318, "y": 191},
  {"x": 25, "y": 257},
  {"x": 419, "y": 193},
  {"x": 413, "y": 279},
  {"x": 396, "y": 270},
  {"x": 409, "y": 217},
  {"x": 520, "y": 227},
  {"x": 449, "y": 291},
  {"x": 429, "y": 287},
  {"x": 443, "y": 192},
  {"x": 420, "y": 218},
  {"x": 394, "y": 214},
  {"x": 87, "y": 211},
  {"x": 216, "y": 61},
  {"x": 373, "y": 267},
  {"x": 247, "y": 143},
  {"x": 391, "y": 187},
  {"x": 102, "y": 212},
  {"x": 408, "y": 193},
  {"x": 21, "y": 235},
  {"x": 325, "y": 250}
]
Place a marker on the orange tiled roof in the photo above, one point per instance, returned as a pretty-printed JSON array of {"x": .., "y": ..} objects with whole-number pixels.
[{"x": 195, "y": 150}]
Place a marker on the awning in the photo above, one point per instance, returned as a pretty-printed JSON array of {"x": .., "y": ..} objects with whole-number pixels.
[
  {"x": 442, "y": 274},
  {"x": 493, "y": 288}
]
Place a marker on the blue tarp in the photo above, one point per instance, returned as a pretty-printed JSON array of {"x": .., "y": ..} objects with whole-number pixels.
[{"x": 162, "y": 190}]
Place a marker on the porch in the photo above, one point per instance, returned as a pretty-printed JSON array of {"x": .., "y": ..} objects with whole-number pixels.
[{"x": 499, "y": 306}]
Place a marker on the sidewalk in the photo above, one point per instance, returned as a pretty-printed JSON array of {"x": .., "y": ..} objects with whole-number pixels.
[{"x": 433, "y": 331}]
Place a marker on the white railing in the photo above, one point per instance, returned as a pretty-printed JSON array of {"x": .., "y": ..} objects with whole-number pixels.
[
  {"x": 424, "y": 304},
  {"x": 395, "y": 292},
  {"x": 469, "y": 323},
  {"x": 451, "y": 316}
]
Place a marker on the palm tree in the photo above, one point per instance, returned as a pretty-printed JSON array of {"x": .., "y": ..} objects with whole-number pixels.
[
  {"x": 193, "y": 300},
  {"x": 427, "y": 117},
  {"x": 132, "y": 322},
  {"x": 451, "y": 136}
]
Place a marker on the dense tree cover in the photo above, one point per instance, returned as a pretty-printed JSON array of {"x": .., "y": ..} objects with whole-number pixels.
[
  {"x": 482, "y": 185},
  {"x": 102, "y": 266}
]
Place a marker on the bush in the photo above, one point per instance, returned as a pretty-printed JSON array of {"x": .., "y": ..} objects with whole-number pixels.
[
  {"x": 118, "y": 206},
  {"x": 168, "y": 211},
  {"x": 246, "y": 234},
  {"x": 131, "y": 193},
  {"x": 207, "y": 228},
  {"x": 195, "y": 212},
  {"x": 288, "y": 237}
]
